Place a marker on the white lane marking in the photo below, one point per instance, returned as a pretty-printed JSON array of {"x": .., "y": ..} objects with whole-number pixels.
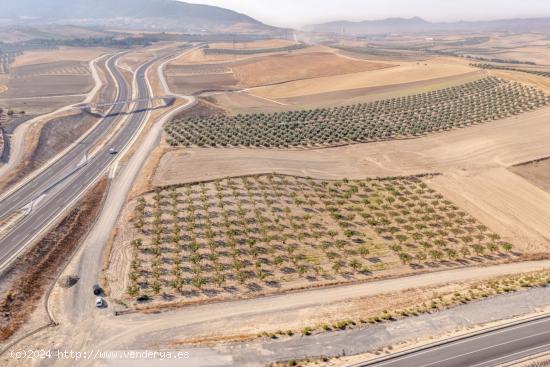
[
  {"x": 486, "y": 348},
  {"x": 428, "y": 349},
  {"x": 510, "y": 355}
]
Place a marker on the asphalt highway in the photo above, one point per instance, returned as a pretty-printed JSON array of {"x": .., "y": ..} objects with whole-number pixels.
[
  {"x": 485, "y": 350},
  {"x": 57, "y": 186}
]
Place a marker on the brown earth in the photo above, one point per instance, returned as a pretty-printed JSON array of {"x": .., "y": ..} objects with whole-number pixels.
[
  {"x": 536, "y": 172},
  {"x": 504, "y": 202},
  {"x": 288, "y": 67},
  {"x": 270, "y": 43},
  {"x": 195, "y": 84},
  {"x": 30, "y": 276},
  {"x": 58, "y": 134},
  {"x": 243, "y": 102},
  {"x": 369, "y": 94},
  {"x": 198, "y": 56},
  {"x": 404, "y": 73},
  {"x": 63, "y": 53}
]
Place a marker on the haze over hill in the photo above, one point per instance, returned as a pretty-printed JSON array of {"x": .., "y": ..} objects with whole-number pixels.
[
  {"x": 134, "y": 14},
  {"x": 419, "y": 25}
]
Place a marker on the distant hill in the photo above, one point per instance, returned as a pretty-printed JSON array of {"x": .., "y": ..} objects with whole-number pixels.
[
  {"x": 157, "y": 15},
  {"x": 419, "y": 25}
]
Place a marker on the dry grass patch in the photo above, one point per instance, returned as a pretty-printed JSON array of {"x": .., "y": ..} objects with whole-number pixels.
[
  {"x": 268, "y": 233},
  {"x": 536, "y": 172},
  {"x": 405, "y": 73},
  {"x": 63, "y": 53},
  {"x": 283, "y": 68},
  {"x": 269, "y": 43}
]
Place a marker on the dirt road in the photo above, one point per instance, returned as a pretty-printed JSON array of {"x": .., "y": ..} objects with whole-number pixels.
[{"x": 104, "y": 331}]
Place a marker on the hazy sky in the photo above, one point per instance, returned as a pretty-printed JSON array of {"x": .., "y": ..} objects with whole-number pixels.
[{"x": 295, "y": 13}]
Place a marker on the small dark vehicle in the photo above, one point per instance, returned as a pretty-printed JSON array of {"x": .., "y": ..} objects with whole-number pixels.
[{"x": 97, "y": 289}]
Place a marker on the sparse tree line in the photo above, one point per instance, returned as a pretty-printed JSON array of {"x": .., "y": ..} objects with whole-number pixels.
[
  {"x": 543, "y": 73},
  {"x": 249, "y": 233},
  {"x": 486, "y": 99},
  {"x": 232, "y": 51}
]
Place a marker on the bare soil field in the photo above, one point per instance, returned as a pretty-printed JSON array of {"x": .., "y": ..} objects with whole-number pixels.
[
  {"x": 57, "y": 134},
  {"x": 287, "y": 67},
  {"x": 505, "y": 202},
  {"x": 196, "y": 84},
  {"x": 382, "y": 55},
  {"x": 199, "y": 57},
  {"x": 270, "y": 43},
  {"x": 257, "y": 70},
  {"x": 47, "y": 85},
  {"x": 369, "y": 94},
  {"x": 42, "y": 80},
  {"x": 405, "y": 73},
  {"x": 537, "y": 172},
  {"x": 199, "y": 69},
  {"x": 538, "y": 55},
  {"x": 83, "y": 54},
  {"x": 243, "y": 102}
]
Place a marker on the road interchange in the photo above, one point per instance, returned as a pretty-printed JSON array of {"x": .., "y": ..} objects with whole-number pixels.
[{"x": 58, "y": 187}]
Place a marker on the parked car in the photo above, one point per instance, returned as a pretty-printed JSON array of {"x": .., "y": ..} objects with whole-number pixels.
[
  {"x": 99, "y": 302},
  {"x": 97, "y": 289}
]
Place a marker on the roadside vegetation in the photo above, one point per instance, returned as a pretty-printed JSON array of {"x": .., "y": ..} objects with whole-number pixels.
[
  {"x": 542, "y": 73},
  {"x": 543, "y": 362},
  {"x": 459, "y": 106},
  {"x": 444, "y": 300},
  {"x": 29, "y": 278},
  {"x": 270, "y": 232}
]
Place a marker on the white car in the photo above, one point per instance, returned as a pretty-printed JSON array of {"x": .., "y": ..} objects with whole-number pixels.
[
  {"x": 112, "y": 151},
  {"x": 99, "y": 302}
]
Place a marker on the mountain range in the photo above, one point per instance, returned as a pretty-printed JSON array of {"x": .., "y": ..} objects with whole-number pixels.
[
  {"x": 158, "y": 15},
  {"x": 419, "y": 25}
]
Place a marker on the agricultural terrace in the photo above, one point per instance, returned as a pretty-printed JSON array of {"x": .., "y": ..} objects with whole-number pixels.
[
  {"x": 234, "y": 51},
  {"x": 542, "y": 73},
  {"x": 269, "y": 232},
  {"x": 486, "y": 99}
]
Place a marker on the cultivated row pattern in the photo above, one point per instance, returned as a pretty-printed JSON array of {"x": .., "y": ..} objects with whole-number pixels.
[
  {"x": 543, "y": 73},
  {"x": 475, "y": 102},
  {"x": 257, "y": 232},
  {"x": 232, "y": 51}
]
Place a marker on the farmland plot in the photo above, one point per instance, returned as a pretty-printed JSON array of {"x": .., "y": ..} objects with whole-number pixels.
[
  {"x": 459, "y": 106},
  {"x": 266, "y": 233}
]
